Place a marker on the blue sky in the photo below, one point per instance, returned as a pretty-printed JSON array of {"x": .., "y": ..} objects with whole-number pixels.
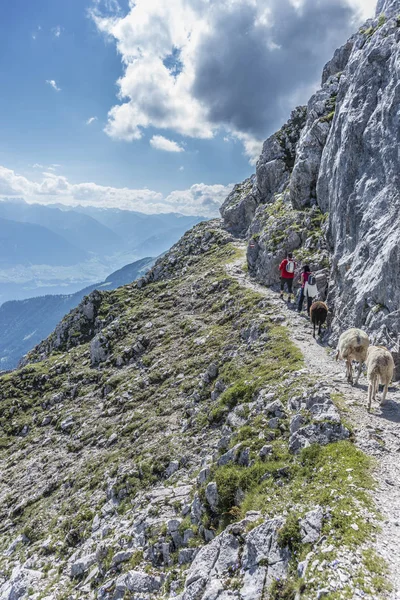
[{"x": 203, "y": 84}]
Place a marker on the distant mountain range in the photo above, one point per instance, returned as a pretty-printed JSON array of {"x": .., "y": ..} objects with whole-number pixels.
[
  {"x": 58, "y": 249},
  {"x": 26, "y": 244},
  {"x": 80, "y": 230},
  {"x": 24, "y": 323},
  {"x": 136, "y": 228}
]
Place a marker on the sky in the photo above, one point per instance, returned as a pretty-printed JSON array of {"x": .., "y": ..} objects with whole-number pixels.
[{"x": 154, "y": 105}]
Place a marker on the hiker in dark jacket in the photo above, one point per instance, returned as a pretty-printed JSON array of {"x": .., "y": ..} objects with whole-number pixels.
[{"x": 287, "y": 269}]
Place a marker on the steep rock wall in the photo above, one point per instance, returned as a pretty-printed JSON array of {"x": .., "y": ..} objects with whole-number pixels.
[
  {"x": 359, "y": 183},
  {"x": 343, "y": 160}
]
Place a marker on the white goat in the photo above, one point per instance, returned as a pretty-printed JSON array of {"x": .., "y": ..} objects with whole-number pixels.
[
  {"x": 353, "y": 345},
  {"x": 380, "y": 368}
]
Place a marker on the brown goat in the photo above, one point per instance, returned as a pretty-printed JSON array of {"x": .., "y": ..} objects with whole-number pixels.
[{"x": 318, "y": 314}]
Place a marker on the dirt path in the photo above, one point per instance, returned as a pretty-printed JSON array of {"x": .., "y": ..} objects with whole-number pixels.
[{"x": 377, "y": 434}]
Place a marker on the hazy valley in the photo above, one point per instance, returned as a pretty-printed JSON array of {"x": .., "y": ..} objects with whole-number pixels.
[{"x": 52, "y": 250}]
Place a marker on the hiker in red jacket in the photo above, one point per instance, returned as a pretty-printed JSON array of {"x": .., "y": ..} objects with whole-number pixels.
[{"x": 287, "y": 269}]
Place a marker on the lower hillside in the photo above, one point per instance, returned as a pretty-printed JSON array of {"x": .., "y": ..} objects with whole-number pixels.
[
  {"x": 25, "y": 323},
  {"x": 167, "y": 441}
]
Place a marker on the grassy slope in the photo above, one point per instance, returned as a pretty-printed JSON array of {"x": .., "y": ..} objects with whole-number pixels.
[{"x": 53, "y": 482}]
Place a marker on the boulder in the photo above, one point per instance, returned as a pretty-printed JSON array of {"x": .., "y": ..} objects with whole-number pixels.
[
  {"x": 212, "y": 496},
  {"x": 99, "y": 349},
  {"x": 79, "y": 567},
  {"x": 317, "y": 433},
  {"x": 139, "y": 582},
  {"x": 257, "y": 564},
  {"x": 311, "y": 525}
]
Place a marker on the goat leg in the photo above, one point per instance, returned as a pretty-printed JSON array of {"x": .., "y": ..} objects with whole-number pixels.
[
  {"x": 349, "y": 372},
  {"x": 359, "y": 372},
  {"x": 376, "y": 387},
  {"x": 385, "y": 391},
  {"x": 370, "y": 387}
]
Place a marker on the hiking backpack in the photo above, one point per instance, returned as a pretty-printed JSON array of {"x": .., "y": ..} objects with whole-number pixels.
[
  {"x": 311, "y": 279},
  {"x": 290, "y": 266}
]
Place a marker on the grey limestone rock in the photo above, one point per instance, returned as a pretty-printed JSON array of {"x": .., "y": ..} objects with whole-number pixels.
[
  {"x": 239, "y": 207},
  {"x": 389, "y": 8},
  {"x": 259, "y": 562},
  {"x": 20, "y": 581},
  {"x": 203, "y": 475},
  {"x": 140, "y": 583},
  {"x": 229, "y": 456},
  {"x": 212, "y": 495},
  {"x": 322, "y": 408},
  {"x": 197, "y": 509},
  {"x": 276, "y": 409},
  {"x": 359, "y": 183},
  {"x": 67, "y": 424},
  {"x": 78, "y": 327},
  {"x": 244, "y": 457},
  {"x": 303, "y": 182},
  {"x": 311, "y": 525},
  {"x": 82, "y": 565},
  {"x": 317, "y": 433},
  {"x": 186, "y": 555},
  {"x": 172, "y": 468},
  {"x": 278, "y": 156},
  {"x": 99, "y": 349},
  {"x": 338, "y": 62},
  {"x": 295, "y": 423},
  {"x": 122, "y": 556},
  {"x": 272, "y": 175},
  {"x": 265, "y": 451}
]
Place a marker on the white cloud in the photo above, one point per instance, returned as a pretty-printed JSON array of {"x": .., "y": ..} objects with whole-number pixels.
[
  {"x": 252, "y": 146},
  {"x": 365, "y": 8},
  {"x": 53, "y": 84},
  {"x": 35, "y": 33},
  {"x": 198, "y": 67},
  {"x": 182, "y": 168},
  {"x": 91, "y": 120},
  {"x": 154, "y": 94},
  {"x": 161, "y": 143},
  {"x": 200, "y": 199},
  {"x": 51, "y": 167},
  {"x": 111, "y": 7},
  {"x": 56, "y": 31}
]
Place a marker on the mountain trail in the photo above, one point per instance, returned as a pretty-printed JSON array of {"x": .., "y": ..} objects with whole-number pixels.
[{"x": 377, "y": 433}]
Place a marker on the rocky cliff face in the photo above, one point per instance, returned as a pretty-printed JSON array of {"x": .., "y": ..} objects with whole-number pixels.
[
  {"x": 359, "y": 182},
  {"x": 341, "y": 160}
]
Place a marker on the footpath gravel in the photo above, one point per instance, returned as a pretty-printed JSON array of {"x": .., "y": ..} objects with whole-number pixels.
[{"x": 377, "y": 433}]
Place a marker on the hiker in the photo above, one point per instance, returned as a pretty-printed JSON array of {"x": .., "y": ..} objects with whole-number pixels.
[
  {"x": 287, "y": 269},
  {"x": 303, "y": 280},
  {"x": 310, "y": 290}
]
